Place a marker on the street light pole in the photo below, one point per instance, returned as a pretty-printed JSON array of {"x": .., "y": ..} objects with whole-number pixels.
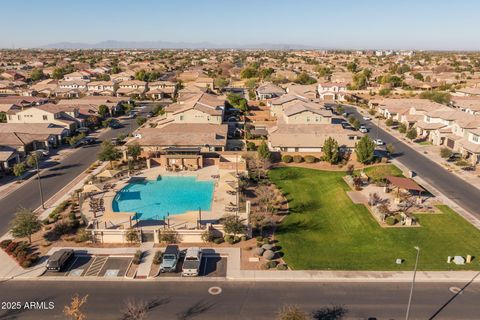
[
  {"x": 39, "y": 182},
  {"x": 413, "y": 283}
]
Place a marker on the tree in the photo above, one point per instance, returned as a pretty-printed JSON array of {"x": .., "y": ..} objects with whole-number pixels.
[
  {"x": 418, "y": 76},
  {"x": 389, "y": 122},
  {"x": 74, "y": 309},
  {"x": 263, "y": 151},
  {"x": 132, "y": 236},
  {"x": 356, "y": 124},
  {"x": 135, "y": 310},
  {"x": 134, "y": 150},
  {"x": 24, "y": 224},
  {"x": 402, "y": 128},
  {"x": 141, "y": 121},
  {"x": 108, "y": 152},
  {"x": 436, "y": 96},
  {"x": 58, "y": 73},
  {"x": 243, "y": 105},
  {"x": 304, "y": 78},
  {"x": 390, "y": 148},
  {"x": 352, "y": 67},
  {"x": 365, "y": 149},
  {"x": 232, "y": 224},
  {"x": 32, "y": 159},
  {"x": 330, "y": 150},
  {"x": 103, "y": 111},
  {"x": 37, "y": 74},
  {"x": 220, "y": 83},
  {"x": 290, "y": 312},
  {"x": 19, "y": 169},
  {"x": 412, "y": 134}
]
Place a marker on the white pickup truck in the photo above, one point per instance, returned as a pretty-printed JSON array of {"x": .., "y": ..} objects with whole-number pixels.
[{"x": 191, "y": 264}]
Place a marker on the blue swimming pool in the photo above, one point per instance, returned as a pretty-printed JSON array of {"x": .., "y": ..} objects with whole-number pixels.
[{"x": 153, "y": 199}]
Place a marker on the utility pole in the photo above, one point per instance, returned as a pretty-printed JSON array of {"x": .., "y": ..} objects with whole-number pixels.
[
  {"x": 413, "y": 283},
  {"x": 39, "y": 182}
]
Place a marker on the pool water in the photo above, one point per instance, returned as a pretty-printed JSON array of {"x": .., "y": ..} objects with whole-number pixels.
[{"x": 153, "y": 199}]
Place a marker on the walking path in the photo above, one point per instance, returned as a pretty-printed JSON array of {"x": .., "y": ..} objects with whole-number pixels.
[{"x": 148, "y": 253}]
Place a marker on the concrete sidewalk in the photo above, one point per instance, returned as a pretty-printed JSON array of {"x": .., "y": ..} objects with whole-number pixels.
[{"x": 10, "y": 270}]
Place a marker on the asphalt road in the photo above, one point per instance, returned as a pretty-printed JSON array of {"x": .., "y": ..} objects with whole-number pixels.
[
  {"x": 244, "y": 300},
  {"x": 456, "y": 189},
  {"x": 55, "y": 177}
]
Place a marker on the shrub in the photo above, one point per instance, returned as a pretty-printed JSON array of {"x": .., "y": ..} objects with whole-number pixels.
[
  {"x": 271, "y": 264},
  {"x": 9, "y": 249},
  {"x": 82, "y": 236},
  {"x": 218, "y": 240},
  {"x": 282, "y": 266},
  {"x": 287, "y": 158},
  {"x": 259, "y": 238},
  {"x": 243, "y": 238},
  {"x": 236, "y": 239},
  {"x": 266, "y": 241},
  {"x": 402, "y": 128},
  {"x": 297, "y": 159},
  {"x": 5, "y": 243},
  {"x": 389, "y": 122},
  {"x": 137, "y": 258},
  {"x": 445, "y": 152},
  {"x": 251, "y": 146},
  {"x": 228, "y": 238},
  {"x": 391, "y": 221},
  {"x": 157, "y": 258},
  {"x": 310, "y": 159},
  {"x": 26, "y": 263},
  {"x": 269, "y": 254},
  {"x": 208, "y": 236}
]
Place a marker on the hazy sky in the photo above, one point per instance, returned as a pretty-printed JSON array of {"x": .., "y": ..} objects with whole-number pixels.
[{"x": 417, "y": 24}]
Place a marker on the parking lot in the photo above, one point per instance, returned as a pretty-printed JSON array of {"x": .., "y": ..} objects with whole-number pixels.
[
  {"x": 93, "y": 266},
  {"x": 210, "y": 266}
]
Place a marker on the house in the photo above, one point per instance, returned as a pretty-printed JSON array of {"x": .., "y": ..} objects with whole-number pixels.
[
  {"x": 131, "y": 88},
  {"x": 309, "y": 138},
  {"x": 71, "y": 89},
  {"x": 308, "y": 92},
  {"x": 56, "y": 133},
  {"x": 9, "y": 156},
  {"x": 303, "y": 126},
  {"x": 101, "y": 88},
  {"x": 468, "y": 104},
  {"x": 89, "y": 105},
  {"x": 269, "y": 91},
  {"x": 77, "y": 76},
  {"x": 62, "y": 115},
  {"x": 159, "y": 90},
  {"x": 45, "y": 88},
  {"x": 332, "y": 91},
  {"x": 277, "y": 105},
  {"x": 202, "y": 108},
  {"x": 21, "y": 144}
]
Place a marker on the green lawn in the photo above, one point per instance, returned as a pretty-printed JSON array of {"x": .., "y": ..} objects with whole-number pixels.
[{"x": 325, "y": 230}]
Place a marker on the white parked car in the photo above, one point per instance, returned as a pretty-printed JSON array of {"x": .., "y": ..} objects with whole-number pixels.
[
  {"x": 191, "y": 264},
  {"x": 363, "y": 129},
  {"x": 379, "y": 142},
  {"x": 366, "y": 118}
]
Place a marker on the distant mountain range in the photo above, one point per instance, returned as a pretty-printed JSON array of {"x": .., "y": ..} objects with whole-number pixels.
[{"x": 113, "y": 44}]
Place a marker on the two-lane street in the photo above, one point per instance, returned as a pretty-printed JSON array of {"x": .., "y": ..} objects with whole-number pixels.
[
  {"x": 246, "y": 300},
  {"x": 456, "y": 189},
  {"x": 56, "y": 177}
]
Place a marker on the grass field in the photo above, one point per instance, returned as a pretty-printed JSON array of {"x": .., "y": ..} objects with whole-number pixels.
[{"x": 326, "y": 230}]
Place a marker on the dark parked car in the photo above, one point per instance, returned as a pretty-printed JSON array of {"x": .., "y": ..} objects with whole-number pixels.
[
  {"x": 59, "y": 259},
  {"x": 115, "y": 125}
]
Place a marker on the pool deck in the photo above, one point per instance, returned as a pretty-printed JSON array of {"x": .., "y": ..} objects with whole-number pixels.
[{"x": 225, "y": 180}]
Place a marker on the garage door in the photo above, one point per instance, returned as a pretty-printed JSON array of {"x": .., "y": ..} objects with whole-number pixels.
[
  {"x": 450, "y": 143},
  {"x": 328, "y": 97}
]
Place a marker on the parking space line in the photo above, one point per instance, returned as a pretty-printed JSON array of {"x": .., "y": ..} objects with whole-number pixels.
[
  {"x": 70, "y": 267},
  {"x": 96, "y": 266}
]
